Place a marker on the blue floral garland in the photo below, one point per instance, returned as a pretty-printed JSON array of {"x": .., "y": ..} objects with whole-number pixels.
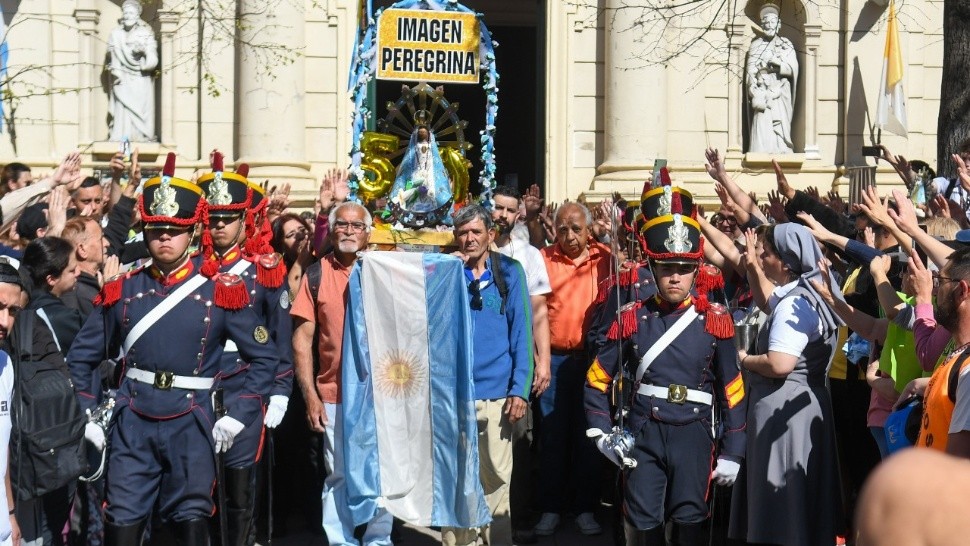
[{"x": 362, "y": 71}]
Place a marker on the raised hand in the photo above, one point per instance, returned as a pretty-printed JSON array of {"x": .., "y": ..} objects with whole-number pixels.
[
  {"x": 110, "y": 269},
  {"x": 715, "y": 164},
  {"x": 326, "y": 196},
  {"x": 750, "y": 256},
  {"x": 722, "y": 194},
  {"x": 963, "y": 172},
  {"x": 939, "y": 207},
  {"x": 813, "y": 225},
  {"x": 776, "y": 207},
  {"x": 812, "y": 192},
  {"x": 65, "y": 172},
  {"x": 835, "y": 202},
  {"x": 869, "y": 237},
  {"x": 117, "y": 166},
  {"x": 134, "y": 177},
  {"x": 920, "y": 278},
  {"x": 899, "y": 163},
  {"x": 824, "y": 288},
  {"x": 533, "y": 202},
  {"x": 784, "y": 188},
  {"x": 279, "y": 200},
  {"x": 341, "y": 189},
  {"x": 905, "y": 219},
  {"x": 57, "y": 205},
  {"x": 880, "y": 265},
  {"x": 874, "y": 208}
]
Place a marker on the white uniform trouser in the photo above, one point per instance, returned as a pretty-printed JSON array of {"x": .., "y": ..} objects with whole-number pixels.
[{"x": 336, "y": 515}]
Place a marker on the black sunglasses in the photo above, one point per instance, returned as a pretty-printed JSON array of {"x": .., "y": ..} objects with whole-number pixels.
[{"x": 475, "y": 287}]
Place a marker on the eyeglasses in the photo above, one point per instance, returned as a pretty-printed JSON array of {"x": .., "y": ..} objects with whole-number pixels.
[
  {"x": 475, "y": 287},
  {"x": 296, "y": 232},
  {"x": 940, "y": 279},
  {"x": 343, "y": 225},
  {"x": 729, "y": 220}
]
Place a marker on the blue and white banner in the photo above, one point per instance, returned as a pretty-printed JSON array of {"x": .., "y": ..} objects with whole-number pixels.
[{"x": 410, "y": 434}]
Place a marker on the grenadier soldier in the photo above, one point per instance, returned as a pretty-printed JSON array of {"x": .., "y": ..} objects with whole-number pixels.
[
  {"x": 236, "y": 225},
  {"x": 676, "y": 351},
  {"x": 170, "y": 321}
]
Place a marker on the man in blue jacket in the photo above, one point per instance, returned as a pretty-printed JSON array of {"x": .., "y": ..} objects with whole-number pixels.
[{"x": 503, "y": 349}]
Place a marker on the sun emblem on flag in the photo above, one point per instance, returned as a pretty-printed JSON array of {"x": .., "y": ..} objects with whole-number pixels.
[{"x": 398, "y": 374}]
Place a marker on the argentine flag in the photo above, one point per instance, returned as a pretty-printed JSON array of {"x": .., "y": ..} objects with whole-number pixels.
[{"x": 410, "y": 435}]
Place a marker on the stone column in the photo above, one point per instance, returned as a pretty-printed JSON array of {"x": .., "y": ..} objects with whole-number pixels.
[
  {"x": 736, "y": 94},
  {"x": 169, "y": 22},
  {"x": 813, "y": 35},
  {"x": 270, "y": 94},
  {"x": 87, "y": 18},
  {"x": 635, "y": 110}
]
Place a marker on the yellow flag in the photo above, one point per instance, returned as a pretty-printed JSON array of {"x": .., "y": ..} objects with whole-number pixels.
[{"x": 891, "y": 115}]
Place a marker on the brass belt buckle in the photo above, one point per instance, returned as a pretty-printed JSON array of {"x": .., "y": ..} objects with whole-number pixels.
[
  {"x": 163, "y": 380},
  {"x": 677, "y": 394}
]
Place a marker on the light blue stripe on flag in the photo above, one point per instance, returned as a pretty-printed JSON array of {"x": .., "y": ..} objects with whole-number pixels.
[
  {"x": 362, "y": 469},
  {"x": 458, "y": 497}
]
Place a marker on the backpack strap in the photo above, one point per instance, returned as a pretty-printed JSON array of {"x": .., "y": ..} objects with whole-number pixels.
[
  {"x": 313, "y": 275},
  {"x": 499, "y": 277},
  {"x": 950, "y": 187},
  {"x": 953, "y": 379}
]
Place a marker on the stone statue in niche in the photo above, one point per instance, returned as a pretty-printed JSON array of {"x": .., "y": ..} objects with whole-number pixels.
[
  {"x": 772, "y": 72},
  {"x": 132, "y": 60}
]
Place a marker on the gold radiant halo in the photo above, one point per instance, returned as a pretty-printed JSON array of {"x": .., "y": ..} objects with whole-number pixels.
[{"x": 398, "y": 374}]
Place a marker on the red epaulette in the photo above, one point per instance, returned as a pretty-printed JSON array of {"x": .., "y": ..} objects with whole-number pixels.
[
  {"x": 270, "y": 269},
  {"x": 604, "y": 290},
  {"x": 110, "y": 292},
  {"x": 717, "y": 318},
  {"x": 230, "y": 292},
  {"x": 626, "y": 325},
  {"x": 629, "y": 274}
]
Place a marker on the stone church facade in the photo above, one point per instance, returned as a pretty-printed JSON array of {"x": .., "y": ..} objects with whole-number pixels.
[{"x": 604, "y": 99}]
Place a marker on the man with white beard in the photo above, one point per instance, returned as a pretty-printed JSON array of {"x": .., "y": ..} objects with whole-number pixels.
[{"x": 319, "y": 305}]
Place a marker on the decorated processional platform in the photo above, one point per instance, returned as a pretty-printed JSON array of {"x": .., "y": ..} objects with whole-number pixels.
[{"x": 411, "y": 153}]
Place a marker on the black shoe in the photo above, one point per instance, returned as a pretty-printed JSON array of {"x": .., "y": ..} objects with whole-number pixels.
[{"x": 524, "y": 536}]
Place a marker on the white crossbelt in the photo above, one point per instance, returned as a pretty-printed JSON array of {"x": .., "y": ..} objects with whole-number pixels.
[
  {"x": 698, "y": 397},
  {"x": 665, "y": 340},
  {"x": 177, "y": 381},
  {"x": 169, "y": 303}
]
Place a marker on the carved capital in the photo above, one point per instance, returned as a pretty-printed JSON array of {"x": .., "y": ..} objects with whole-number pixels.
[
  {"x": 169, "y": 21},
  {"x": 813, "y": 35},
  {"x": 734, "y": 29},
  {"x": 87, "y": 18}
]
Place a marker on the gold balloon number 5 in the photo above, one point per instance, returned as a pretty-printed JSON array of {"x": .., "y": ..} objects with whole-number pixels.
[{"x": 376, "y": 164}]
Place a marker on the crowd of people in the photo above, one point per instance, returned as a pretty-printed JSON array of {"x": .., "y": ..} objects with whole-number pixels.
[{"x": 599, "y": 329}]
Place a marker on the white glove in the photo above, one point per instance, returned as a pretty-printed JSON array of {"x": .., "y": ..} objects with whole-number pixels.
[
  {"x": 94, "y": 434},
  {"x": 615, "y": 455},
  {"x": 725, "y": 471},
  {"x": 224, "y": 431},
  {"x": 275, "y": 410}
]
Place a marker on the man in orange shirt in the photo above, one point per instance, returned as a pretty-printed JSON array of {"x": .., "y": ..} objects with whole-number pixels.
[
  {"x": 576, "y": 265},
  {"x": 946, "y": 417},
  {"x": 350, "y": 226}
]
